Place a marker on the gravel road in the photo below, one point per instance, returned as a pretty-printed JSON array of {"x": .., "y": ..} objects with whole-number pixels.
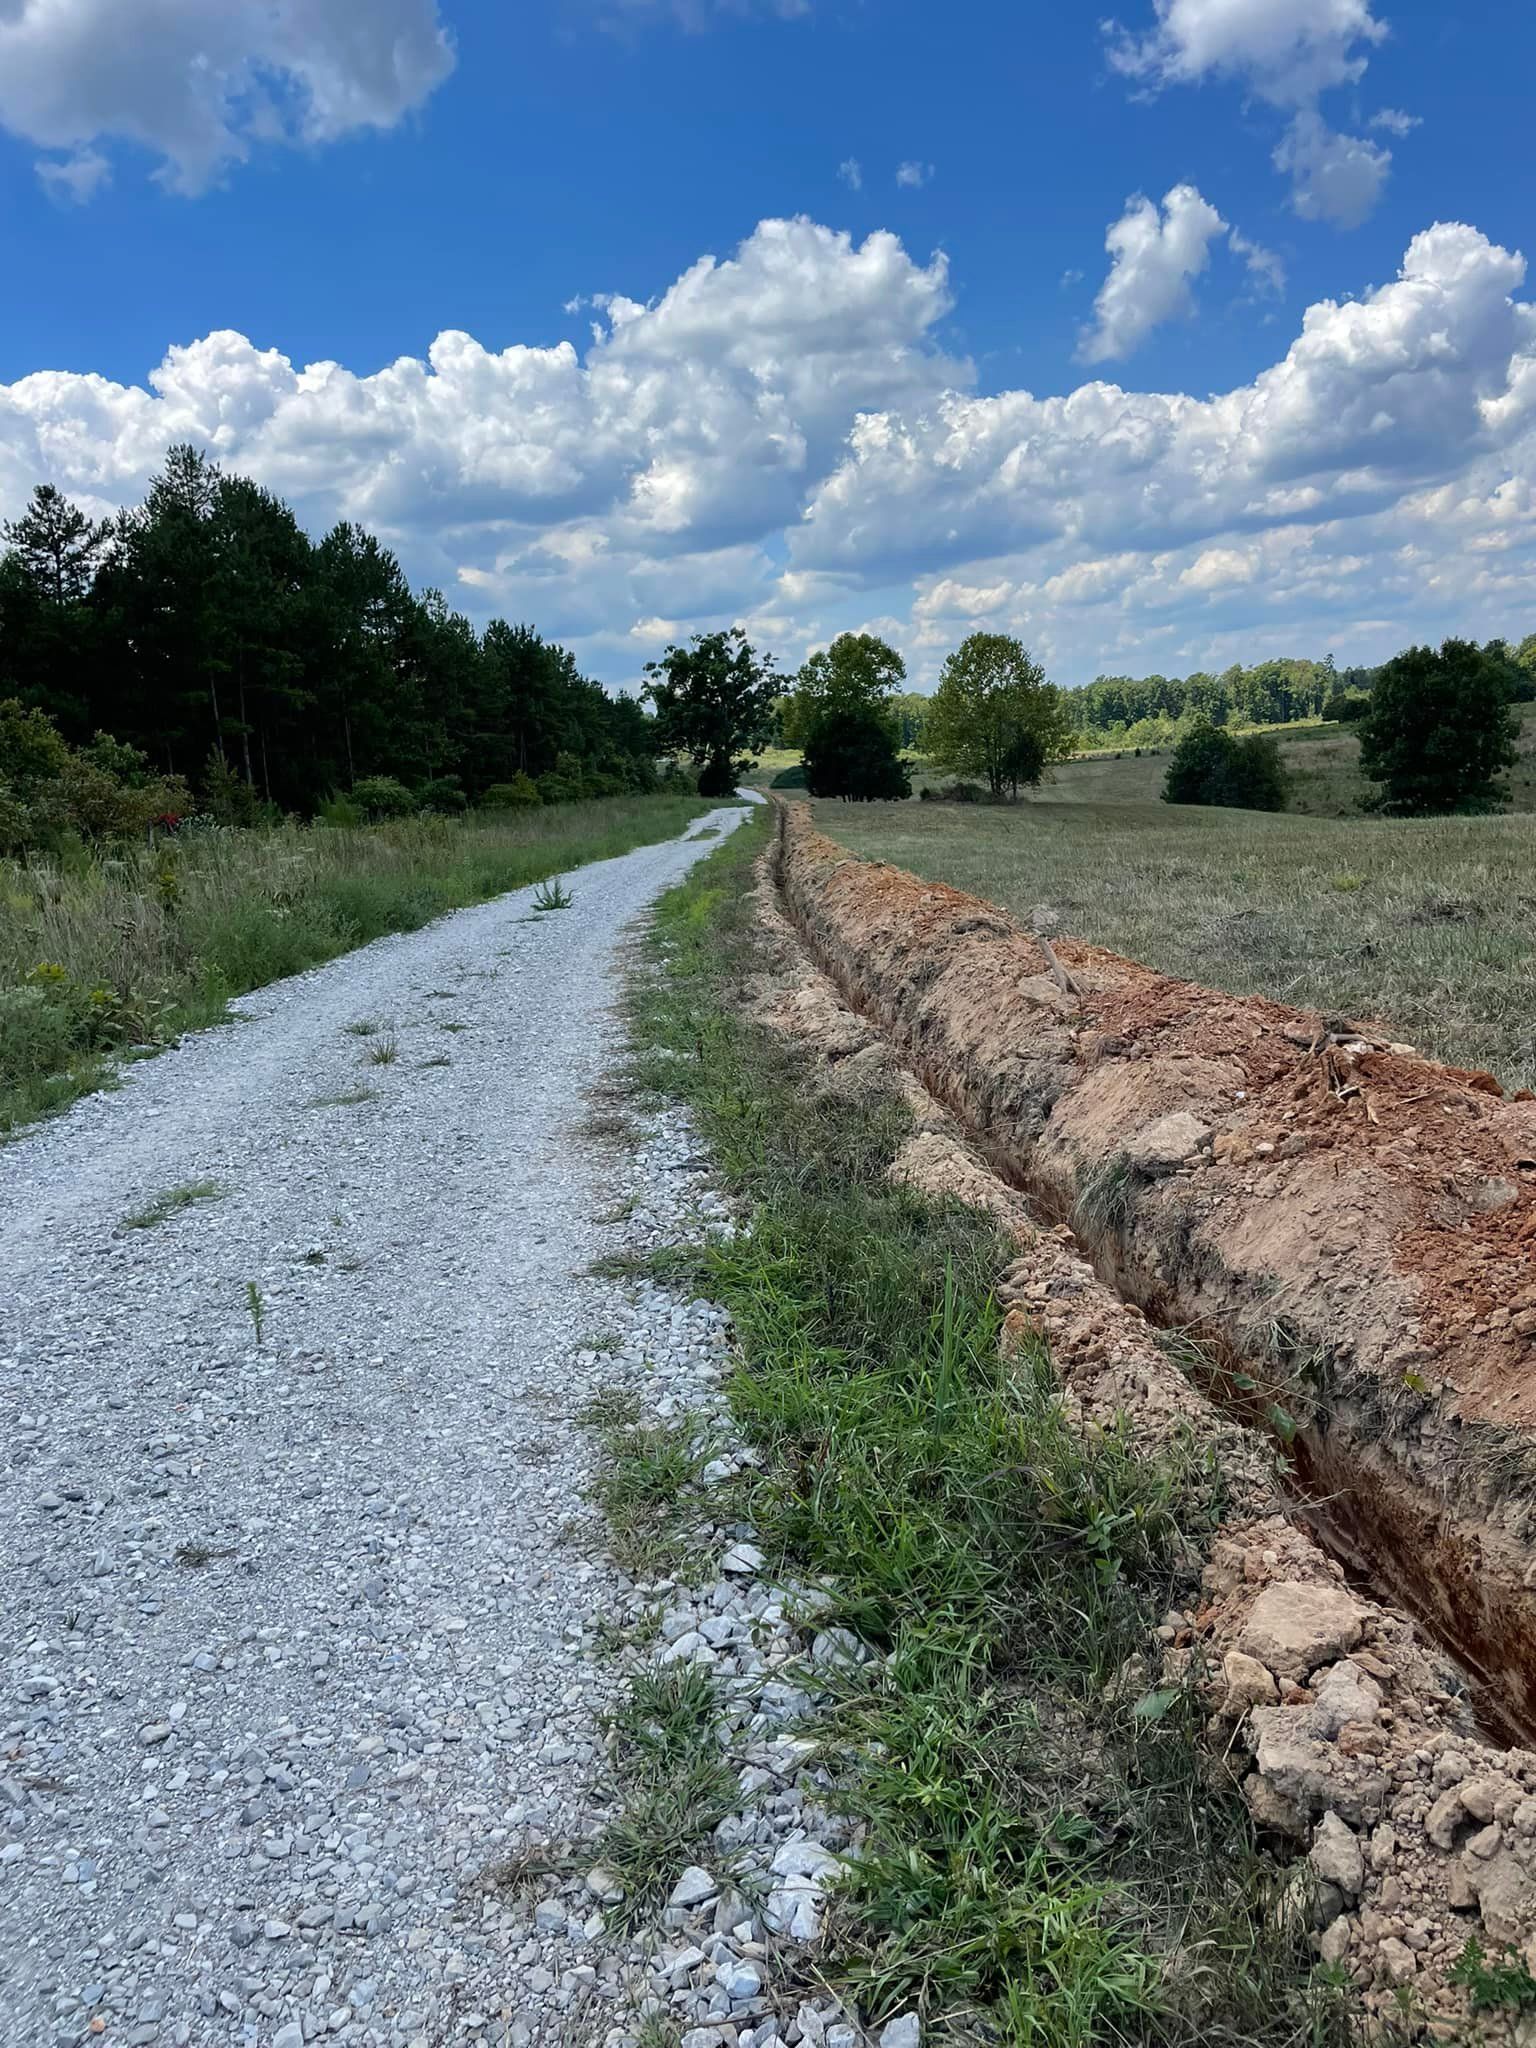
[{"x": 291, "y": 1607}]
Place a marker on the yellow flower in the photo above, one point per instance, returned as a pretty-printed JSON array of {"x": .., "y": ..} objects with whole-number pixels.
[{"x": 48, "y": 973}]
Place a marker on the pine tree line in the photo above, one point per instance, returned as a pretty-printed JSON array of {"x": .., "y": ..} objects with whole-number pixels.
[{"x": 205, "y": 628}]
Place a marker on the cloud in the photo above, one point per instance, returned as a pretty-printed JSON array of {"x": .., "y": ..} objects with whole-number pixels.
[
  {"x": 1262, "y": 263},
  {"x": 199, "y": 84},
  {"x": 779, "y": 437},
  {"x": 75, "y": 179},
  {"x": 1395, "y": 121},
  {"x": 914, "y": 174},
  {"x": 1333, "y": 177},
  {"x": 695, "y": 16},
  {"x": 852, "y": 174},
  {"x": 1153, "y": 256},
  {"x": 1288, "y": 53}
]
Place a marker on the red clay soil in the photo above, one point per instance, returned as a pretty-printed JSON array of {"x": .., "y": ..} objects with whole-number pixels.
[{"x": 1351, "y": 1224}]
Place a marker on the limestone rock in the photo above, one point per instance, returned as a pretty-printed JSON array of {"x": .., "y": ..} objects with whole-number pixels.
[
  {"x": 1164, "y": 1146},
  {"x": 1336, "y": 1856},
  {"x": 1294, "y": 1627},
  {"x": 1249, "y": 1684}
]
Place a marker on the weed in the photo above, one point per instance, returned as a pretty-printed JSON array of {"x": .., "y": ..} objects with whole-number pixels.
[
  {"x": 673, "y": 1788},
  {"x": 621, "y": 1212},
  {"x": 646, "y": 1472},
  {"x": 345, "y": 1100},
  {"x": 439, "y": 1059},
  {"x": 172, "y": 1202},
  {"x": 1106, "y": 1199},
  {"x": 607, "y": 1127},
  {"x": 603, "y": 1342},
  {"x": 363, "y": 1028},
  {"x": 385, "y": 1053},
  {"x": 552, "y": 895},
  {"x": 1502, "y": 1984},
  {"x": 256, "y": 1309},
  {"x": 452, "y": 1024},
  {"x": 195, "y": 1555}
]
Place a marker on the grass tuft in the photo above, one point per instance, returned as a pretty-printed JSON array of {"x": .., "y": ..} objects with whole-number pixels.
[{"x": 171, "y": 1203}]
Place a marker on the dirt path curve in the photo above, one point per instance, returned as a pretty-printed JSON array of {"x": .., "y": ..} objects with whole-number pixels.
[{"x": 286, "y": 1626}]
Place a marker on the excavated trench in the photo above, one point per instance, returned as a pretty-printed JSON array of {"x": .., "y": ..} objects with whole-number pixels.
[{"x": 1343, "y": 1228}]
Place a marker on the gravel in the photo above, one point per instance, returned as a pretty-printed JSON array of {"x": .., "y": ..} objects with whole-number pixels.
[{"x": 293, "y": 1558}]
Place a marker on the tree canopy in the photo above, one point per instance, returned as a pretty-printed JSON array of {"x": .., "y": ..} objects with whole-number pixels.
[
  {"x": 206, "y": 629},
  {"x": 714, "y": 702},
  {"x": 994, "y": 714},
  {"x": 859, "y": 672},
  {"x": 850, "y": 752},
  {"x": 1440, "y": 730},
  {"x": 1209, "y": 766}
]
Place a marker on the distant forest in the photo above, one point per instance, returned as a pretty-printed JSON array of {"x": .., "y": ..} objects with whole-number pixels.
[
  {"x": 1131, "y": 711},
  {"x": 205, "y": 628}
]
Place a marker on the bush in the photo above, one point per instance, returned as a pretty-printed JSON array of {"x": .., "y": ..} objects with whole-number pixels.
[
  {"x": 1210, "y": 767},
  {"x": 381, "y": 796},
  {"x": 520, "y": 794},
  {"x": 718, "y": 778},
  {"x": 442, "y": 795},
  {"x": 852, "y": 754},
  {"x": 1345, "y": 706},
  {"x": 341, "y": 813},
  {"x": 790, "y": 778},
  {"x": 1439, "y": 730},
  {"x": 555, "y": 788}
]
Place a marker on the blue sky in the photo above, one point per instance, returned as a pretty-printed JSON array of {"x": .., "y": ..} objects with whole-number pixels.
[{"x": 345, "y": 182}]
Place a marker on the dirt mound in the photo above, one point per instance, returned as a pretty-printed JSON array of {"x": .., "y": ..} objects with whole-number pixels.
[{"x": 1348, "y": 1228}]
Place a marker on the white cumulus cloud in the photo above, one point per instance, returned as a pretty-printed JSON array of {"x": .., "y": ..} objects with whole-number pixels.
[
  {"x": 199, "y": 83},
  {"x": 852, "y": 173},
  {"x": 779, "y": 438},
  {"x": 1333, "y": 177},
  {"x": 914, "y": 174},
  {"x": 1153, "y": 255},
  {"x": 1288, "y": 52}
]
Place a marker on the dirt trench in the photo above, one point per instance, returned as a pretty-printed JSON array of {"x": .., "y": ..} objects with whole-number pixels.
[{"x": 1234, "y": 1214}]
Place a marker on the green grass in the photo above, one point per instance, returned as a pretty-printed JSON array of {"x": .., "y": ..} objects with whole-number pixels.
[
  {"x": 171, "y": 1203},
  {"x": 1042, "y": 1862},
  {"x": 347, "y": 1099},
  {"x": 98, "y": 957},
  {"x": 673, "y": 1790},
  {"x": 1424, "y": 923},
  {"x": 646, "y": 1474}
]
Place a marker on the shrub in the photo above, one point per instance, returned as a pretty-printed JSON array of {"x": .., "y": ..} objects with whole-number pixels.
[
  {"x": 1210, "y": 767},
  {"x": 520, "y": 794},
  {"x": 341, "y": 813},
  {"x": 718, "y": 777},
  {"x": 555, "y": 788},
  {"x": 381, "y": 796},
  {"x": 851, "y": 753},
  {"x": 790, "y": 778},
  {"x": 1439, "y": 730},
  {"x": 443, "y": 795}
]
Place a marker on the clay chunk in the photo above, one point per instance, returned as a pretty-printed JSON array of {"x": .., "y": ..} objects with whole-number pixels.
[{"x": 1294, "y": 1628}]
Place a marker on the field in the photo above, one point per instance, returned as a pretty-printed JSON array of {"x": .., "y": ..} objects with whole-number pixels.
[
  {"x": 98, "y": 956},
  {"x": 1427, "y": 924}
]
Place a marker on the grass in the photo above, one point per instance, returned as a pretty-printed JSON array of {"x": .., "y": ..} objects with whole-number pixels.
[
  {"x": 646, "y": 1476},
  {"x": 1425, "y": 924},
  {"x": 102, "y": 956},
  {"x": 347, "y": 1099},
  {"x": 673, "y": 1788},
  {"x": 552, "y": 896},
  {"x": 1042, "y": 1863},
  {"x": 171, "y": 1203},
  {"x": 385, "y": 1052}
]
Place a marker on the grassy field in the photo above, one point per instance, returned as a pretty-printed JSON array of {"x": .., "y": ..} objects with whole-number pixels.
[
  {"x": 103, "y": 956},
  {"x": 1428, "y": 924},
  {"x": 1322, "y": 761}
]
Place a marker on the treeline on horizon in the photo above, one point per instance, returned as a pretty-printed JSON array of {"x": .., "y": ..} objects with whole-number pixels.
[
  {"x": 205, "y": 628},
  {"x": 1148, "y": 710}
]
